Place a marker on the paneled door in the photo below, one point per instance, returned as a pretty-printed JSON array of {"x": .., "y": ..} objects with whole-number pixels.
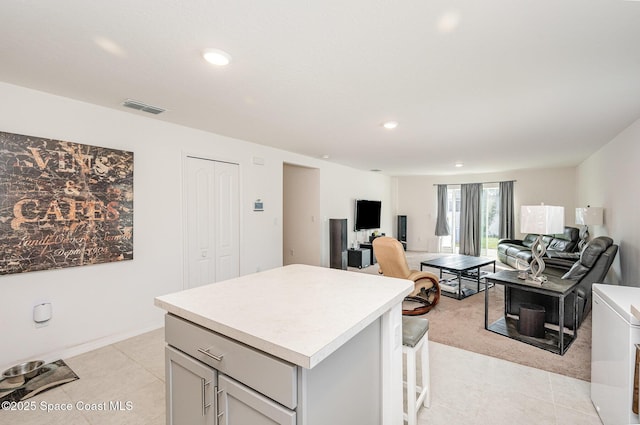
[{"x": 212, "y": 212}]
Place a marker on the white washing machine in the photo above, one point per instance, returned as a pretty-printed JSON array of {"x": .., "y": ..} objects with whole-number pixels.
[{"x": 616, "y": 331}]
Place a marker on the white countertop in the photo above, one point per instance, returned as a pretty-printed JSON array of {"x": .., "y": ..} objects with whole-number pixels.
[
  {"x": 298, "y": 313},
  {"x": 622, "y": 299}
]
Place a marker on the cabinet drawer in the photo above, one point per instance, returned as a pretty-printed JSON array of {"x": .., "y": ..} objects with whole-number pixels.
[{"x": 266, "y": 374}]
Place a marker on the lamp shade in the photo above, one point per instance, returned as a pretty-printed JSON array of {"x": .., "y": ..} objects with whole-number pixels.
[
  {"x": 541, "y": 219},
  {"x": 589, "y": 215}
]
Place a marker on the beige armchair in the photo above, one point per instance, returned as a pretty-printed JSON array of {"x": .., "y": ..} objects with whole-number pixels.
[{"x": 393, "y": 263}]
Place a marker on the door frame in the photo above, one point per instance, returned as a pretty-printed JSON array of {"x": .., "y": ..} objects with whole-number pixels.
[{"x": 183, "y": 209}]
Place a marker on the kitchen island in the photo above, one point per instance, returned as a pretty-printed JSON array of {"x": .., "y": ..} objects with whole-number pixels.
[{"x": 296, "y": 345}]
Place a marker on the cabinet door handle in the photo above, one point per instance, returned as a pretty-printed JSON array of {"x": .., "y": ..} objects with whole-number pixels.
[
  {"x": 207, "y": 353},
  {"x": 220, "y": 412},
  {"x": 204, "y": 401}
]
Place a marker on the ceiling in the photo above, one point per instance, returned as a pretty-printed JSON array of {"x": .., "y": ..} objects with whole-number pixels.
[{"x": 494, "y": 84}]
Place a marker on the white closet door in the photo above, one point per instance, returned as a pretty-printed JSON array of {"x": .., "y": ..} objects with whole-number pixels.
[
  {"x": 212, "y": 214},
  {"x": 227, "y": 221}
]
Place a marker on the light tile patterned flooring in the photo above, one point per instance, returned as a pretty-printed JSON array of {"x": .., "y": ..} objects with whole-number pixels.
[{"x": 468, "y": 388}]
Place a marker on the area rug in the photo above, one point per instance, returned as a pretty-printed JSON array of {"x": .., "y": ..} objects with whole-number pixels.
[
  {"x": 460, "y": 323},
  {"x": 48, "y": 376}
]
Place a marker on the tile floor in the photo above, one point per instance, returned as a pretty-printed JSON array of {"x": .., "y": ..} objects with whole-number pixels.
[{"x": 467, "y": 388}]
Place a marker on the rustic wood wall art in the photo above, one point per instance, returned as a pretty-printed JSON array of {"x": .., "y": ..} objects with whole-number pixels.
[{"x": 63, "y": 204}]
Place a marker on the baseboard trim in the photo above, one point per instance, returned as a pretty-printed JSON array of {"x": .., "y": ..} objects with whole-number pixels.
[{"x": 76, "y": 350}]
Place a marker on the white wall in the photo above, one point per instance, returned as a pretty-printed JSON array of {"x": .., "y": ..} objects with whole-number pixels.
[
  {"x": 417, "y": 198},
  {"x": 365, "y": 185},
  {"x": 98, "y": 304},
  {"x": 609, "y": 179}
]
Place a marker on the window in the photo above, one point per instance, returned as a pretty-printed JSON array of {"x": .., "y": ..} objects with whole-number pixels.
[
  {"x": 451, "y": 243},
  {"x": 490, "y": 219},
  {"x": 490, "y": 223}
]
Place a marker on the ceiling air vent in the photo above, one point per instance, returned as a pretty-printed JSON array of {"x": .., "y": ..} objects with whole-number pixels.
[{"x": 134, "y": 104}]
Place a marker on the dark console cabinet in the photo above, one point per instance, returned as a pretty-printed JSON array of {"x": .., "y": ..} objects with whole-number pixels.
[{"x": 359, "y": 257}]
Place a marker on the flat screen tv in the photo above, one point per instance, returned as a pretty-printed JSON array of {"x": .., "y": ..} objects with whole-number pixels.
[{"x": 367, "y": 214}]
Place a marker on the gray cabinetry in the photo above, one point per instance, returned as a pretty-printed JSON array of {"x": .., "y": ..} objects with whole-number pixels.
[
  {"x": 214, "y": 380},
  {"x": 191, "y": 388},
  {"x": 200, "y": 384},
  {"x": 262, "y": 372},
  {"x": 240, "y": 405},
  {"x": 198, "y": 395}
]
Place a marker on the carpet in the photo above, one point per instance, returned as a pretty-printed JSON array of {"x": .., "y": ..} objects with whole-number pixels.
[
  {"x": 48, "y": 376},
  {"x": 460, "y": 323}
]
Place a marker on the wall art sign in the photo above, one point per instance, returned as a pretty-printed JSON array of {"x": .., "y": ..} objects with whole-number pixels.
[{"x": 63, "y": 204}]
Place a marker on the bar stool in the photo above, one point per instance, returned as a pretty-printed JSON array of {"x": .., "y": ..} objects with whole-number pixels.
[{"x": 415, "y": 337}]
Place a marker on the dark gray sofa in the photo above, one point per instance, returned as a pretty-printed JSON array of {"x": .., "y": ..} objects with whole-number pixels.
[
  {"x": 591, "y": 267},
  {"x": 512, "y": 250}
]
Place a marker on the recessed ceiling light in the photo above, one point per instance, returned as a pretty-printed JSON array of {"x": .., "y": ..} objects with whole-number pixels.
[
  {"x": 109, "y": 46},
  {"x": 459, "y": 164},
  {"x": 448, "y": 22},
  {"x": 390, "y": 125},
  {"x": 217, "y": 57}
]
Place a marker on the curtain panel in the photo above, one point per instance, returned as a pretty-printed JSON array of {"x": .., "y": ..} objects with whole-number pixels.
[
  {"x": 442, "y": 226},
  {"x": 507, "y": 224},
  {"x": 470, "y": 219}
]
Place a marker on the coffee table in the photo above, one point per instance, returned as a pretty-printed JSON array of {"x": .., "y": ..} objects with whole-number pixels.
[
  {"x": 461, "y": 266},
  {"x": 556, "y": 341}
]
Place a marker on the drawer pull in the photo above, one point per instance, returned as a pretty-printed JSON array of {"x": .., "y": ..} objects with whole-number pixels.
[{"x": 207, "y": 353}]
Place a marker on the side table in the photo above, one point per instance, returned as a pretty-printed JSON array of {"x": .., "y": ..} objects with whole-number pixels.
[{"x": 556, "y": 341}]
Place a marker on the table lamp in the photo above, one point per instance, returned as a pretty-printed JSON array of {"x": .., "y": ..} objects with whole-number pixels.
[
  {"x": 587, "y": 216},
  {"x": 541, "y": 220}
]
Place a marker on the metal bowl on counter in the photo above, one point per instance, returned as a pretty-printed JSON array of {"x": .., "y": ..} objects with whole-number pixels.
[{"x": 26, "y": 370}]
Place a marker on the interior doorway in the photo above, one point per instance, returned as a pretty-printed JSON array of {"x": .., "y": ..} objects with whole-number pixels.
[{"x": 301, "y": 224}]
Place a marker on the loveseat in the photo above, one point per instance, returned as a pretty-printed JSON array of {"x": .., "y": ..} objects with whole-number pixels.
[
  {"x": 591, "y": 267},
  {"x": 512, "y": 250}
]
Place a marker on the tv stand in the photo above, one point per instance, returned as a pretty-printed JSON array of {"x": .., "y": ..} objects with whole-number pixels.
[
  {"x": 360, "y": 257},
  {"x": 369, "y": 246}
]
